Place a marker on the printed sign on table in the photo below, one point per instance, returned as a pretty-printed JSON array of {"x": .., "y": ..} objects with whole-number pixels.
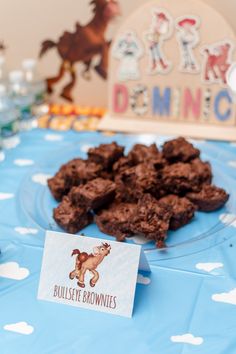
[
  {"x": 90, "y": 273},
  {"x": 179, "y": 86}
]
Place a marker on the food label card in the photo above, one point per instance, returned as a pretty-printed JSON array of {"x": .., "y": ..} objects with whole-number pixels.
[{"x": 90, "y": 273}]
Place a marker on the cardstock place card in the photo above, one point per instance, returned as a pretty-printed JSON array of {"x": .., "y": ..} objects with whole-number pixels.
[{"x": 90, "y": 273}]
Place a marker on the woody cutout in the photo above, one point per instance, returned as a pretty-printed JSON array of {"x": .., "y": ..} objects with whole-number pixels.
[{"x": 160, "y": 30}]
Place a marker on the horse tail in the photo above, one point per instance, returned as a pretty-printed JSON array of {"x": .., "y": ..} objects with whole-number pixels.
[
  {"x": 75, "y": 252},
  {"x": 45, "y": 46}
]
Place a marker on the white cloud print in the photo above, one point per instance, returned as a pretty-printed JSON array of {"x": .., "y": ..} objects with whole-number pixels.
[
  {"x": 2, "y": 156},
  {"x": 23, "y": 162},
  {"x": 139, "y": 240},
  {"x": 209, "y": 267},
  {"x": 228, "y": 219},
  {"x": 26, "y": 230},
  {"x": 187, "y": 338},
  {"x": 143, "y": 280},
  {"x": 19, "y": 327},
  {"x": 41, "y": 178},
  {"x": 53, "y": 137},
  {"x": 86, "y": 147},
  {"x": 4, "y": 196},
  {"x": 232, "y": 163},
  {"x": 12, "y": 270},
  {"x": 228, "y": 298}
]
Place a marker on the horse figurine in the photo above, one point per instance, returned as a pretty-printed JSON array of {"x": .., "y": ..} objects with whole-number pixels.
[{"x": 82, "y": 45}]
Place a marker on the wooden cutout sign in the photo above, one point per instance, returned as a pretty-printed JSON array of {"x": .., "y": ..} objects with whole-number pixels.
[{"x": 168, "y": 69}]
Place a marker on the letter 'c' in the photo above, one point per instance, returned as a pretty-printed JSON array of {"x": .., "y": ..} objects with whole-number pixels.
[{"x": 223, "y": 95}]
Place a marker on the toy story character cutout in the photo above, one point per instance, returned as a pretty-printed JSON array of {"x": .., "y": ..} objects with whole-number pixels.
[
  {"x": 218, "y": 60},
  {"x": 188, "y": 38},
  {"x": 160, "y": 30},
  {"x": 85, "y": 43},
  {"x": 128, "y": 50}
]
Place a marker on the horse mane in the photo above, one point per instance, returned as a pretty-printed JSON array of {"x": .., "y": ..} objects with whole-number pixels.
[{"x": 97, "y": 5}]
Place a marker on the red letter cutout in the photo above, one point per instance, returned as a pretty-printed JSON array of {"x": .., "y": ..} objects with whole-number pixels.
[
  {"x": 120, "y": 98},
  {"x": 192, "y": 104}
]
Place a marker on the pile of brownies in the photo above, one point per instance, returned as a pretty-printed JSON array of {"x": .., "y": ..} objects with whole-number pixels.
[{"x": 147, "y": 192}]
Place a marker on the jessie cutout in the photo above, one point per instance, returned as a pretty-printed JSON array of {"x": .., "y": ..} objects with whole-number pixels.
[
  {"x": 160, "y": 30},
  {"x": 188, "y": 38}
]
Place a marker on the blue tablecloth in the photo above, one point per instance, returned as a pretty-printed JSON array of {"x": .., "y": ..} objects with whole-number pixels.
[{"x": 187, "y": 305}]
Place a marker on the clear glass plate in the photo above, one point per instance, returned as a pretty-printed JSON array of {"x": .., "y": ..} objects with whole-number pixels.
[{"x": 205, "y": 230}]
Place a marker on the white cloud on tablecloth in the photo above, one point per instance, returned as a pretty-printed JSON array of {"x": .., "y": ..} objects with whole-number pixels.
[
  {"x": 11, "y": 143},
  {"x": 19, "y": 327},
  {"x": 232, "y": 163},
  {"x": 228, "y": 298},
  {"x": 41, "y": 178},
  {"x": 23, "y": 162},
  {"x": 2, "y": 156},
  {"x": 209, "y": 267},
  {"x": 143, "y": 280},
  {"x": 53, "y": 137},
  {"x": 228, "y": 219},
  {"x": 12, "y": 270},
  {"x": 187, "y": 338},
  {"x": 26, "y": 230},
  {"x": 139, "y": 240},
  {"x": 4, "y": 196},
  {"x": 86, "y": 147}
]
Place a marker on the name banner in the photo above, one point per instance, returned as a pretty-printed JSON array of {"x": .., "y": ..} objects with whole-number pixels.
[{"x": 168, "y": 69}]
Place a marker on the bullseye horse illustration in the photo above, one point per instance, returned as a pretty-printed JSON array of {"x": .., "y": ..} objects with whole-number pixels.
[
  {"x": 218, "y": 62},
  {"x": 83, "y": 45},
  {"x": 88, "y": 262}
]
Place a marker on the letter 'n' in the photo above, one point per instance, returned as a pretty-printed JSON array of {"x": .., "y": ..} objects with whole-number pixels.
[
  {"x": 161, "y": 103},
  {"x": 192, "y": 104}
]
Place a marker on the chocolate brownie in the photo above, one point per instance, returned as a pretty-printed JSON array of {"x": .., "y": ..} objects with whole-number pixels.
[
  {"x": 179, "y": 150},
  {"x": 141, "y": 153},
  {"x": 151, "y": 219},
  {"x": 106, "y": 154},
  {"x": 115, "y": 220},
  {"x": 93, "y": 194},
  {"x": 73, "y": 173},
  {"x": 58, "y": 186},
  {"x": 182, "y": 210},
  {"x": 122, "y": 164},
  {"x": 180, "y": 178},
  {"x": 203, "y": 170},
  {"x": 210, "y": 198},
  {"x": 142, "y": 178},
  {"x": 71, "y": 218}
]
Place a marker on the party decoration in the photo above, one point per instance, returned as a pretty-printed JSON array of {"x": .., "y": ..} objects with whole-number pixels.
[
  {"x": 180, "y": 86},
  {"x": 188, "y": 38},
  {"x": 128, "y": 50},
  {"x": 82, "y": 46},
  {"x": 159, "y": 31}
]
